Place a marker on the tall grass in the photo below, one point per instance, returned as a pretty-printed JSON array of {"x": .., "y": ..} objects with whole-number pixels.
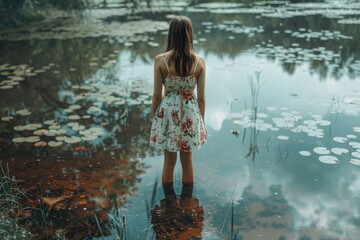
[
  {"x": 10, "y": 198},
  {"x": 255, "y": 85}
]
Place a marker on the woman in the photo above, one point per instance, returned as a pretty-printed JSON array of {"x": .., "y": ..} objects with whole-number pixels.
[{"x": 178, "y": 115}]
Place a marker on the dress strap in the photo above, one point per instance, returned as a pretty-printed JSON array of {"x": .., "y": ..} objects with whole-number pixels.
[
  {"x": 196, "y": 63},
  {"x": 167, "y": 66}
]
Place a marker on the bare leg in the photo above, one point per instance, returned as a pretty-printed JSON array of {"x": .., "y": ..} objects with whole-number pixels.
[
  {"x": 187, "y": 167},
  {"x": 169, "y": 165}
]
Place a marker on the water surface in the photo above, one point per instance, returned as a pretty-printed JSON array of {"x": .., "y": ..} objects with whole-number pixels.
[{"x": 87, "y": 82}]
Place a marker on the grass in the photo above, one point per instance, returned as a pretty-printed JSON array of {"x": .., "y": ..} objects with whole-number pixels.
[
  {"x": 255, "y": 85},
  {"x": 10, "y": 197}
]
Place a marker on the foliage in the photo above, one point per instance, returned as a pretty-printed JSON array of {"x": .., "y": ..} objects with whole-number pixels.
[{"x": 15, "y": 13}]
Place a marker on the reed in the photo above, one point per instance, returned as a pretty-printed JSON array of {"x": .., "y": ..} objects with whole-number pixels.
[{"x": 10, "y": 198}]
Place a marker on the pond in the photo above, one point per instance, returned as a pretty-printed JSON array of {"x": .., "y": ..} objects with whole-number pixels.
[{"x": 282, "y": 159}]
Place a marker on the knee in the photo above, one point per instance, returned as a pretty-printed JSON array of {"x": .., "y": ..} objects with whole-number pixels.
[{"x": 186, "y": 159}]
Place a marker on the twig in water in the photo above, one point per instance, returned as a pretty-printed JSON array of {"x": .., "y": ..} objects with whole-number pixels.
[{"x": 98, "y": 225}]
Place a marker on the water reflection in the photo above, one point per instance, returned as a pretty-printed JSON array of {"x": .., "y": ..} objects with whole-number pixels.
[
  {"x": 178, "y": 217},
  {"x": 96, "y": 79}
]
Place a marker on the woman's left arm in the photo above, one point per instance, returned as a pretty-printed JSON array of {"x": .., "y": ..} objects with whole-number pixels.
[{"x": 158, "y": 78}]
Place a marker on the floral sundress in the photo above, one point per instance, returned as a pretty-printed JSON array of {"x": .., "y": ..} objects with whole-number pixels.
[{"x": 178, "y": 124}]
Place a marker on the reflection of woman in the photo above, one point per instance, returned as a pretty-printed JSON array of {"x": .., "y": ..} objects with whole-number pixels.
[
  {"x": 178, "y": 115},
  {"x": 178, "y": 218}
]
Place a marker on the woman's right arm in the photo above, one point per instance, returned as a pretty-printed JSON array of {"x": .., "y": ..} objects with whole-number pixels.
[
  {"x": 201, "y": 87},
  {"x": 157, "y": 94}
]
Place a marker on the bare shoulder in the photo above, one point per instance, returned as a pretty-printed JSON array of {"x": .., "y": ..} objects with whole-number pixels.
[
  {"x": 159, "y": 61},
  {"x": 159, "y": 57},
  {"x": 201, "y": 62}
]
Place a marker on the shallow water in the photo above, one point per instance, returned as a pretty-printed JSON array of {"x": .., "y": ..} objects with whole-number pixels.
[{"x": 261, "y": 175}]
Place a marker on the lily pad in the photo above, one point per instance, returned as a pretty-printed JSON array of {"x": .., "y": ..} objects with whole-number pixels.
[
  {"x": 89, "y": 137},
  {"x": 40, "y": 144},
  {"x": 340, "y": 139},
  {"x": 32, "y": 139},
  {"x": 238, "y": 122},
  {"x": 356, "y": 154},
  {"x": 18, "y": 140},
  {"x": 321, "y": 150},
  {"x": 356, "y": 129},
  {"x": 355, "y": 161},
  {"x": 305, "y": 153},
  {"x": 73, "y": 139},
  {"x": 7, "y": 118},
  {"x": 23, "y": 112},
  {"x": 74, "y": 117},
  {"x": 328, "y": 159},
  {"x": 54, "y": 144},
  {"x": 339, "y": 151},
  {"x": 32, "y": 126},
  {"x": 41, "y": 132},
  {"x": 50, "y": 122},
  {"x": 280, "y": 137},
  {"x": 54, "y": 127},
  {"x": 351, "y": 136},
  {"x": 75, "y": 107},
  {"x": 354, "y": 144},
  {"x": 19, "y": 128}
]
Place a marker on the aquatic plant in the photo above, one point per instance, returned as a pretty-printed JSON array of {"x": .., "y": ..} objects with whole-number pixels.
[{"x": 255, "y": 86}]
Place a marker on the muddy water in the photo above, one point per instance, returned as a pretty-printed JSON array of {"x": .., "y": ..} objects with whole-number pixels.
[{"x": 282, "y": 160}]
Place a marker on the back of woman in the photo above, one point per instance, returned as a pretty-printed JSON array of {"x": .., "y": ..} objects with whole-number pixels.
[{"x": 178, "y": 112}]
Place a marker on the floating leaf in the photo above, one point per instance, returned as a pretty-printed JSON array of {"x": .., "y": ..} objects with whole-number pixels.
[
  {"x": 75, "y": 107},
  {"x": 51, "y": 133},
  {"x": 96, "y": 130},
  {"x": 32, "y": 126},
  {"x": 351, "y": 136},
  {"x": 23, "y": 112},
  {"x": 60, "y": 131},
  {"x": 54, "y": 144},
  {"x": 238, "y": 122},
  {"x": 356, "y": 129},
  {"x": 73, "y": 139},
  {"x": 283, "y": 137},
  {"x": 19, "y": 128},
  {"x": 78, "y": 127},
  {"x": 89, "y": 137},
  {"x": 41, "y": 132},
  {"x": 305, "y": 153},
  {"x": 60, "y": 138},
  {"x": 32, "y": 139},
  {"x": 54, "y": 127},
  {"x": 356, "y": 154},
  {"x": 340, "y": 139},
  {"x": 74, "y": 117},
  {"x": 324, "y": 122},
  {"x": 18, "y": 140},
  {"x": 50, "y": 122},
  {"x": 69, "y": 110},
  {"x": 339, "y": 151},
  {"x": 354, "y": 144},
  {"x": 355, "y": 161},
  {"x": 7, "y": 118},
  {"x": 321, "y": 150},
  {"x": 40, "y": 144},
  {"x": 328, "y": 159}
]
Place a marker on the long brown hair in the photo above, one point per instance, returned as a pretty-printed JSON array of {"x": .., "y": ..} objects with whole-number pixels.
[{"x": 180, "y": 42}]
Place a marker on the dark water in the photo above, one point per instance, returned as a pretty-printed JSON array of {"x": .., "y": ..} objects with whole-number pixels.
[{"x": 261, "y": 175}]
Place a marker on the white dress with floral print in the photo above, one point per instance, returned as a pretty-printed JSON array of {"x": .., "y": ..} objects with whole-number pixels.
[{"x": 178, "y": 124}]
